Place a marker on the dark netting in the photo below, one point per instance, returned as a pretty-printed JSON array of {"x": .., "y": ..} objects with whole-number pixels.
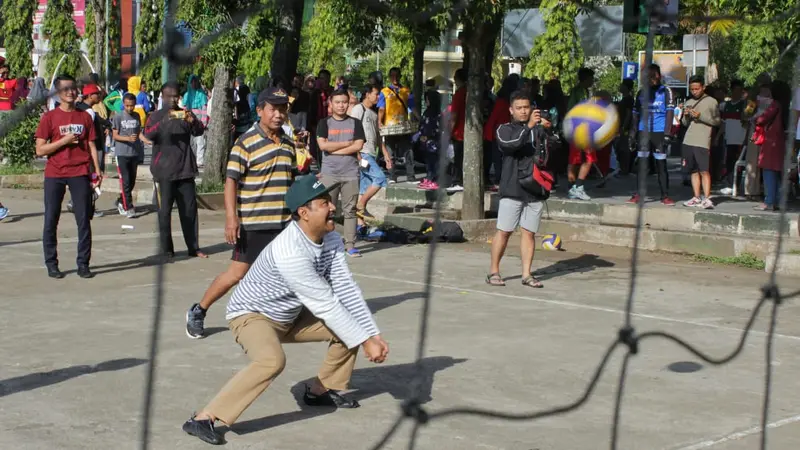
[{"x": 627, "y": 337}]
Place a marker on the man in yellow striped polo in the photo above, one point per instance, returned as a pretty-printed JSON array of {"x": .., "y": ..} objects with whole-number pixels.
[{"x": 259, "y": 173}]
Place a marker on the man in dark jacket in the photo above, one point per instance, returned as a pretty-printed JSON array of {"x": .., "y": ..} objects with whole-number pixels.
[
  {"x": 174, "y": 168},
  {"x": 517, "y": 207}
]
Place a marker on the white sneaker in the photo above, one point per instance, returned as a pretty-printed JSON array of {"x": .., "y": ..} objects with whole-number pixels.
[
  {"x": 131, "y": 213},
  {"x": 707, "y": 204},
  {"x": 726, "y": 191},
  {"x": 455, "y": 188},
  {"x": 120, "y": 208},
  {"x": 694, "y": 202},
  {"x": 578, "y": 193}
]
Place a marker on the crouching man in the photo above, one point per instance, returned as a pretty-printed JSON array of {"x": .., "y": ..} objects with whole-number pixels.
[{"x": 298, "y": 290}]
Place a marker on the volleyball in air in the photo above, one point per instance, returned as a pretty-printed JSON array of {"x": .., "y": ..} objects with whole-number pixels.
[
  {"x": 591, "y": 124},
  {"x": 551, "y": 242}
]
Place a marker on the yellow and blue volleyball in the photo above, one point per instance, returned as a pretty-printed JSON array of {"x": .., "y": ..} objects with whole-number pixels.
[
  {"x": 591, "y": 124},
  {"x": 551, "y": 242}
]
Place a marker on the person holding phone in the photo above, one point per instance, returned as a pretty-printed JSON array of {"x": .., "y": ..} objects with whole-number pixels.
[
  {"x": 174, "y": 169},
  {"x": 66, "y": 136}
]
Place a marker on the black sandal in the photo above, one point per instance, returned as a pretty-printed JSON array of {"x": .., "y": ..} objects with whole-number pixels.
[
  {"x": 532, "y": 282},
  {"x": 495, "y": 279}
]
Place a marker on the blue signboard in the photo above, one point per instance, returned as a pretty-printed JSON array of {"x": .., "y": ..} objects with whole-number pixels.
[{"x": 630, "y": 70}]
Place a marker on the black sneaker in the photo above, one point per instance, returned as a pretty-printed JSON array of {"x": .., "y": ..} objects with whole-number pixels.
[
  {"x": 195, "y": 318},
  {"x": 84, "y": 272},
  {"x": 204, "y": 430},
  {"x": 53, "y": 272},
  {"x": 330, "y": 398}
]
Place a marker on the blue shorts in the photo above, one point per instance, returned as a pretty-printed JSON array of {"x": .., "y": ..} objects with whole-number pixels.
[{"x": 372, "y": 175}]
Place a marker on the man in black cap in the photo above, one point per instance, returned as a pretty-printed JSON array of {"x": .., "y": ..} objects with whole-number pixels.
[
  {"x": 298, "y": 290},
  {"x": 260, "y": 170},
  {"x": 174, "y": 169}
]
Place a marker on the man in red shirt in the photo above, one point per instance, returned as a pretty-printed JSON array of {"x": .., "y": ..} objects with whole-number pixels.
[
  {"x": 66, "y": 136},
  {"x": 458, "y": 115}
]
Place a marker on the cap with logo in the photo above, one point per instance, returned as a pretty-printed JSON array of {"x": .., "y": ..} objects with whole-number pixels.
[
  {"x": 273, "y": 96},
  {"x": 304, "y": 189},
  {"x": 90, "y": 89}
]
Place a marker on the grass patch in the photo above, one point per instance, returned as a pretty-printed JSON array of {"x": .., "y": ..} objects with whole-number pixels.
[
  {"x": 26, "y": 169},
  {"x": 210, "y": 188},
  {"x": 747, "y": 260},
  {"x": 794, "y": 252}
]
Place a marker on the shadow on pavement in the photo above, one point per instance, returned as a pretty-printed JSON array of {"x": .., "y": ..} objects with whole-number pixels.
[
  {"x": 368, "y": 382},
  {"x": 27, "y": 241},
  {"x": 42, "y": 379},
  {"x": 17, "y": 217},
  {"x": 380, "y": 303},
  {"x": 152, "y": 260},
  {"x": 579, "y": 264}
]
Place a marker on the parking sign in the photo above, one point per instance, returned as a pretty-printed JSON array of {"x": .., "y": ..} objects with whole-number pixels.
[{"x": 630, "y": 70}]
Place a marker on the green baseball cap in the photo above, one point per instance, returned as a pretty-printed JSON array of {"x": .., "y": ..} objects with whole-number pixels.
[{"x": 304, "y": 189}]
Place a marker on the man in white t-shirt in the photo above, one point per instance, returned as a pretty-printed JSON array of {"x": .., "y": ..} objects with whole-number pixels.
[{"x": 372, "y": 177}]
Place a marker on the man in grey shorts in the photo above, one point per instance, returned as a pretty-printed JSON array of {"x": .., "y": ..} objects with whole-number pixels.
[{"x": 517, "y": 207}]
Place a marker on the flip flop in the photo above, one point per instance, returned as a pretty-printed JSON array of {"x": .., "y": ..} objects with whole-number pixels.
[
  {"x": 495, "y": 279},
  {"x": 532, "y": 282}
]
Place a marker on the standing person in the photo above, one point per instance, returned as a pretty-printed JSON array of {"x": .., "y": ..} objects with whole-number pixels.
[
  {"x": 661, "y": 106},
  {"x": 625, "y": 111},
  {"x": 394, "y": 106},
  {"x": 299, "y": 290},
  {"x": 241, "y": 108},
  {"x": 259, "y": 173},
  {"x": 499, "y": 115},
  {"x": 126, "y": 130},
  {"x": 431, "y": 139},
  {"x": 67, "y": 137},
  {"x": 770, "y": 160},
  {"x": 700, "y": 116},
  {"x": 732, "y": 112},
  {"x": 91, "y": 97},
  {"x": 578, "y": 167},
  {"x": 341, "y": 138},
  {"x": 517, "y": 206},
  {"x": 196, "y": 100},
  {"x": 372, "y": 177},
  {"x": 7, "y": 88},
  {"x": 174, "y": 168},
  {"x": 458, "y": 117}
]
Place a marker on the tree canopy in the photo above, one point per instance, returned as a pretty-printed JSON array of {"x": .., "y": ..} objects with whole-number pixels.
[
  {"x": 63, "y": 39},
  {"x": 17, "y": 33}
]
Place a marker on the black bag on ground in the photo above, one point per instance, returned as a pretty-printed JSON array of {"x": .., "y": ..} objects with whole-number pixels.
[{"x": 448, "y": 232}]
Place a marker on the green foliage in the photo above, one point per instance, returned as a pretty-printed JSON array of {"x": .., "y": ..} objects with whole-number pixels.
[
  {"x": 498, "y": 69},
  {"x": 322, "y": 46},
  {"x": 610, "y": 80},
  {"x": 18, "y": 144},
  {"x": 758, "y": 52},
  {"x": 114, "y": 25},
  {"x": 255, "y": 62},
  {"x": 148, "y": 35},
  {"x": 557, "y": 53},
  {"x": 746, "y": 260},
  {"x": 17, "y": 33},
  {"x": 209, "y": 188},
  {"x": 63, "y": 37}
]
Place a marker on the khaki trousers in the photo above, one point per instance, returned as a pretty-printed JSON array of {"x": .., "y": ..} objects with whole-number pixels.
[
  {"x": 349, "y": 201},
  {"x": 261, "y": 340}
]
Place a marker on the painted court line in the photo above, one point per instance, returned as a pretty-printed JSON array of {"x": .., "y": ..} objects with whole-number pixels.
[
  {"x": 741, "y": 434},
  {"x": 574, "y": 305}
]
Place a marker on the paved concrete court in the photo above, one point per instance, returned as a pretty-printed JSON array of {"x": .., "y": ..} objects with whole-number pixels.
[{"x": 74, "y": 351}]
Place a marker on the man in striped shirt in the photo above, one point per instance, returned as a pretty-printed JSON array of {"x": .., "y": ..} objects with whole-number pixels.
[
  {"x": 298, "y": 290},
  {"x": 259, "y": 173}
]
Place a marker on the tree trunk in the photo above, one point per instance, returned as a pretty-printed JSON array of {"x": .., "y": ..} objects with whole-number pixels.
[
  {"x": 99, "y": 8},
  {"x": 218, "y": 134},
  {"x": 417, "y": 88},
  {"x": 286, "y": 51},
  {"x": 475, "y": 48}
]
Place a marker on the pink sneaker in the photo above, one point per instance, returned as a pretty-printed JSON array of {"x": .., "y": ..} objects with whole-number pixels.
[
  {"x": 424, "y": 184},
  {"x": 432, "y": 186}
]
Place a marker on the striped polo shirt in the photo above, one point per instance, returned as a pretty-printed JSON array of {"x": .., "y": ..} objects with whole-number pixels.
[
  {"x": 263, "y": 170},
  {"x": 294, "y": 272}
]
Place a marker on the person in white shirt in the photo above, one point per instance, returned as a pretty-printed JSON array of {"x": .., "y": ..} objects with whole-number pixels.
[{"x": 298, "y": 290}]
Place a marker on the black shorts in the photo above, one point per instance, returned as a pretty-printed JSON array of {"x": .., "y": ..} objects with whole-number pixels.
[
  {"x": 695, "y": 159},
  {"x": 251, "y": 243}
]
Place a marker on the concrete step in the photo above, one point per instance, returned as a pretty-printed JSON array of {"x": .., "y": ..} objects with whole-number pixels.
[
  {"x": 655, "y": 216},
  {"x": 652, "y": 239}
]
